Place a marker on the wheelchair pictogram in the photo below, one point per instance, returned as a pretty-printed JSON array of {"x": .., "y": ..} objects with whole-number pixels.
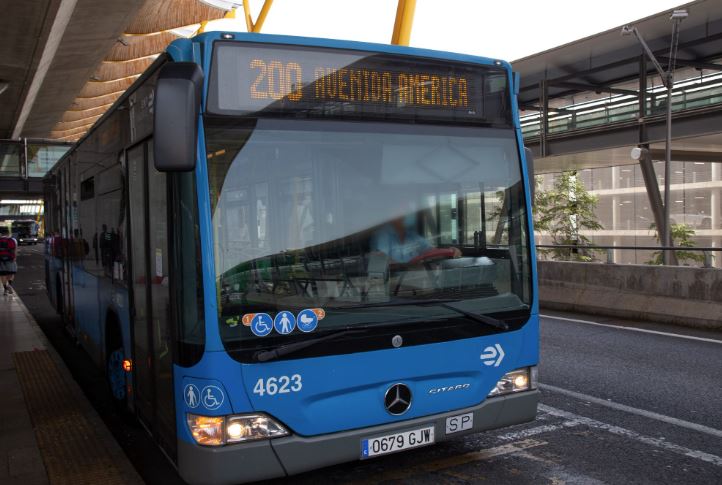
[{"x": 212, "y": 397}]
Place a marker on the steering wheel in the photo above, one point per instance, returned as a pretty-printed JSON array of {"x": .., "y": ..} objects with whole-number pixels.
[
  {"x": 434, "y": 254},
  {"x": 426, "y": 258}
]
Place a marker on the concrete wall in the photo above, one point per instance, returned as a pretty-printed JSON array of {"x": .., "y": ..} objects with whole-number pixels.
[{"x": 680, "y": 295}]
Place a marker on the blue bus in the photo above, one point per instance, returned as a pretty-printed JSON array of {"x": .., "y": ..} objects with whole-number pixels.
[{"x": 288, "y": 253}]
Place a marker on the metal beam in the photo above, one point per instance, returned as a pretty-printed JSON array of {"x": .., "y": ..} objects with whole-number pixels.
[
  {"x": 701, "y": 121},
  {"x": 592, "y": 87},
  {"x": 531, "y": 107},
  {"x": 655, "y": 200},
  {"x": 694, "y": 63},
  {"x": 687, "y": 155},
  {"x": 544, "y": 128}
]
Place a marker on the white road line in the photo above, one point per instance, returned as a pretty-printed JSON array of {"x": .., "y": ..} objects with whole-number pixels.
[
  {"x": 547, "y": 428},
  {"x": 648, "y": 440},
  {"x": 634, "y": 329},
  {"x": 632, "y": 410}
]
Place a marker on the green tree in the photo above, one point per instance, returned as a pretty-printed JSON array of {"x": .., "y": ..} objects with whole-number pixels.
[
  {"x": 681, "y": 237},
  {"x": 564, "y": 212}
]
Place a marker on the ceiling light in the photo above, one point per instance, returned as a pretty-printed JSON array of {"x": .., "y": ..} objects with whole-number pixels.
[{"x": 3, "y": 86}]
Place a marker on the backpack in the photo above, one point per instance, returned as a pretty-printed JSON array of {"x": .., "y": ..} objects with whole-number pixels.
[{"x": 7, "y": 249}]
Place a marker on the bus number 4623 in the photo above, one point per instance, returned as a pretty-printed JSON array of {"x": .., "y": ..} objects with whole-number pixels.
[{"x": 278, "y": 385}]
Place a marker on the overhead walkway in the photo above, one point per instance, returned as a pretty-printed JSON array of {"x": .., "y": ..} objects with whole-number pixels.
[
  {"x": 23, "y": 163},
  {"x": 601, "y": 95}
]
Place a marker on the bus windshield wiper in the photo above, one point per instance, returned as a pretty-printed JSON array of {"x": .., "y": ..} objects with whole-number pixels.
[
  {"x": 266, "y": 355},
  {"x": 444, "y": 303},
  {"x": 479, "y": 317},
  {"x": 400, "y": 302}
]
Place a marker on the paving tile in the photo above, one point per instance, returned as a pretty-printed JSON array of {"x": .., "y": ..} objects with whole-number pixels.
[{"x": 25, "y": 461}]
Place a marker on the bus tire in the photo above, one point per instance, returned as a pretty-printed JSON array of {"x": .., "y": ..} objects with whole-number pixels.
[{"x": 115, "y": 375}]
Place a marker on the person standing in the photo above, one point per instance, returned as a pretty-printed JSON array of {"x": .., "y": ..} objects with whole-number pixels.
[{"x": 8, "y": 265}]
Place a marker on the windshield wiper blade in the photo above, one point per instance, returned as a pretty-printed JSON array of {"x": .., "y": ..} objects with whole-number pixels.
[
  {"x": 442, "y": 302},
  {"x": 266, "y": 355},
  {"x": 478, "y": 317},
  {"x": 431, "y": 301}
]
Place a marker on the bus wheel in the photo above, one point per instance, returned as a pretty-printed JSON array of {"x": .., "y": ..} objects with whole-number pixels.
[{"x": 116, "y": 376}]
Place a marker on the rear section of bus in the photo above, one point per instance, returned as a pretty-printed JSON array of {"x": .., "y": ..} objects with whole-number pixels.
[{"x": 368, "y": 269}]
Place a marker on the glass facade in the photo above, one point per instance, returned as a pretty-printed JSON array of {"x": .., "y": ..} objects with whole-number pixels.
[
  {"x": 41, "y": 156},
  {"x": 623, "y": 207}
]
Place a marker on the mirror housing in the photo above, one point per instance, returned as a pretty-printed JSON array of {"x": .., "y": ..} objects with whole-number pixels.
[
  {"x": 177, "y": 103},
  {"x": 530, "y": 171}
]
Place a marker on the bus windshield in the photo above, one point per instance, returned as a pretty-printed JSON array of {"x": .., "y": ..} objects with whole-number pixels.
[{"x": 357, "y": 221}]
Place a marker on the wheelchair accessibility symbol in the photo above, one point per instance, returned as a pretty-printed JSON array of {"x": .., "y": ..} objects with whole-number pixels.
[
  {"x": 262, "y": 324},
  {"x": 212, "y": 397}
]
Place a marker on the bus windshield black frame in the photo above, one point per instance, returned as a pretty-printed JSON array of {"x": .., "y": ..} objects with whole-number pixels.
[
  {"x": 302, "y": 211},
  {"x": 308, "y": 199}
]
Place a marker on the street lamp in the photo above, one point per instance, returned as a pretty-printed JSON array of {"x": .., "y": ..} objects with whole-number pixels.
[{"x": 668, "y": 82}]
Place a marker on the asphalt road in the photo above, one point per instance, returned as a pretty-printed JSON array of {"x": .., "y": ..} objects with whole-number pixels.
[{"x": 621, "y": 403}]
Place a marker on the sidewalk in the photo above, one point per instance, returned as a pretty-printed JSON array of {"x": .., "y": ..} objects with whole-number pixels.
[{"x": 49, "y": 432}]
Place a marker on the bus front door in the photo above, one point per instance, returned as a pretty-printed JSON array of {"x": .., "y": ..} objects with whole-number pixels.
[{"x": 150, "y": 298}]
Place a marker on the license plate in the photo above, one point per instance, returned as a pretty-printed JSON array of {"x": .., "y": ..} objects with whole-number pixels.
[
  {"x": 396, "y": 442},
  {"x": 462, "y": 422}
]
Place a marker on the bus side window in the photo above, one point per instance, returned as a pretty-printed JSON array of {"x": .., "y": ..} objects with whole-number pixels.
[{"x": 186, "y": 257}]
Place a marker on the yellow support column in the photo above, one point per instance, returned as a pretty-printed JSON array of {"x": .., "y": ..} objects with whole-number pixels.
[
  {"x": 404, "y": 21},
  {"x": 258, "y": 24},
  {"x": 262, "y": 15},
  {"x": 247, "y": 15}
]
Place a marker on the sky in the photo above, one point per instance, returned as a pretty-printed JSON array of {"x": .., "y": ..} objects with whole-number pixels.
[{"x": 508, "y": 30}]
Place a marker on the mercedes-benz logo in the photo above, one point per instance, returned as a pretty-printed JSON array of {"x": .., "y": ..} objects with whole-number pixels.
[{"x": 397, "y": 399}]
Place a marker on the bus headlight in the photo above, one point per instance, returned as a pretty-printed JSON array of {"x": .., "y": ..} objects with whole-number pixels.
[
  {"x": 252, "y": 427},
  {"x": 207, "y": 430},
  {"x": 221, "y": 430},
  {"x": 518, "y": 380}
]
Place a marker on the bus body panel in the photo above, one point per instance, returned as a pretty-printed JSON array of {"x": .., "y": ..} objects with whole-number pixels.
[
  {"x": 264, "y": 459},
  {"x": 343, "y": 392}
]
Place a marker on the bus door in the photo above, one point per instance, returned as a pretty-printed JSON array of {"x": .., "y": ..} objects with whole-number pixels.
[
  {"x": 150, "y": 295},
  {"x": 66, "y": 280}
]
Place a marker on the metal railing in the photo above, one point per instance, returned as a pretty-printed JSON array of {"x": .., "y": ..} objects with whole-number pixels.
[
  {"x": 688, "y": 94},
  {"x": 707, "y": 252}
]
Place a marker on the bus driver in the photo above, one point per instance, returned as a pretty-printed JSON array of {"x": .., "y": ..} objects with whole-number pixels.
[{"x": 401, "y": 242}]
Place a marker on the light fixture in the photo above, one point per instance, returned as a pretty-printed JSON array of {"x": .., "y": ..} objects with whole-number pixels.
[
  {"x": 3, "y": 86},
  {"x": 679, "y": 14},
  {"x": 637, "y": 153},
  {"x": 519, "y": 380},
  {"x": 222, "y": 430}
]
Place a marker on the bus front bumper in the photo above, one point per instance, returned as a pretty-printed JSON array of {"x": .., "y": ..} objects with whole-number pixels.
[{"x": 297, "y": 454}]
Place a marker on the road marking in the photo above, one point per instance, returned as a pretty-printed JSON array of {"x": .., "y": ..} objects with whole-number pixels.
[
  {"x": 453, "y": 461},
  {"x": 640, "y": 412},
  {"x": 648, "y": 440},
  {"x": 634, "y": 329},
  {"x": 547, "y": 428}
]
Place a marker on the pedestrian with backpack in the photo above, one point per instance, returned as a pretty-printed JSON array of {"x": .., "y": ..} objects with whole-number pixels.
[{"x": 8, "y": 266}]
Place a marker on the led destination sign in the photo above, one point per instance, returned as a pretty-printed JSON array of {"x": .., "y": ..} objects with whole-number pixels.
[
  {"x": 319, "y": 82},
  {"x": 274, "y": 80}
]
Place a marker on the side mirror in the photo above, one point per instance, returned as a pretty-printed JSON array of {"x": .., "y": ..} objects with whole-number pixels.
[
  {"x": 530, "y": 170},
  {"x": 177, "y": 103}
]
